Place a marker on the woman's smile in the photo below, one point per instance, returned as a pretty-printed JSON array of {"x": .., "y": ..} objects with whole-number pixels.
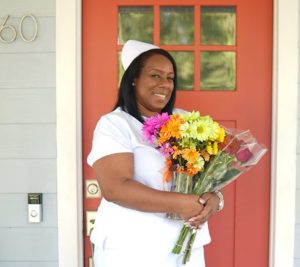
[{"x": 162, "y": 96}]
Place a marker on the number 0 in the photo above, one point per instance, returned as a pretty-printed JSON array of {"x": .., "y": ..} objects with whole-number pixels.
[{"x": 21, "y": 28}]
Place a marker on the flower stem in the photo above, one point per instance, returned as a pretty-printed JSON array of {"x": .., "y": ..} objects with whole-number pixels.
[
  {"x": 188, "y": 250},
  {"x": 185, "y": 230}
]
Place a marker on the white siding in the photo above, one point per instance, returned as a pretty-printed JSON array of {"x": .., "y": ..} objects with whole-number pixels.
[
  {"x": 297, "y": 228},
  {"x": 28, "y": 136}
]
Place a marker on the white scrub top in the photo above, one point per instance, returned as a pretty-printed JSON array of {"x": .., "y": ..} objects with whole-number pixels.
[{"x": 120, "y": 227}]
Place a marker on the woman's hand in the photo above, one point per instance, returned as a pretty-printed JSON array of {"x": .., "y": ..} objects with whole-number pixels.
[
  {"x": 114, "y": 173},
  {"x": 210, "y": 202},
  {"x": 189, "y": 206}
]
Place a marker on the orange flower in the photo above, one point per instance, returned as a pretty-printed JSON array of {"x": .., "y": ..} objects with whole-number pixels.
[
  {"x": 176, "y": 152},
  {"x": 164, "y": 135},
  {"x": 174, "y": 125},
  {"x": 191, "y": 170},
  {"x": 180, "y": 169},
  {"x": 170, "y": 129},
  {"x": 205, "y": 155},
  {"x": 190, "y": 155},
  {"x": 167, "y": 174}
]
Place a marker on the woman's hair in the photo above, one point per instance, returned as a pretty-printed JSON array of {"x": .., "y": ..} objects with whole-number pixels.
[{"x": 126, "y": 97}]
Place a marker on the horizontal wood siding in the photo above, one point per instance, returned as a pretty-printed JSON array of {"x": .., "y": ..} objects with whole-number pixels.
[
  {"x": 29, "y": 70},
  {"x": 27, "y": 105},
  {"x": 28, "y": 175},
  {"x": 28, "y": 136},
  {"x": 28, "y": 244},
  {"x": 28, "y": 264}
]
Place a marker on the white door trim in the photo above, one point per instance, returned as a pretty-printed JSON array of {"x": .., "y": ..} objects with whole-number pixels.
[
  {"x": 284, "y": 132},
  {"x": 69, "y": 141}
]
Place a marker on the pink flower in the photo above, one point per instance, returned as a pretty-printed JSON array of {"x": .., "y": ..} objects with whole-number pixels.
[
  {"x": 166, "y": 149},
  {"x": 152, "y": 126}
]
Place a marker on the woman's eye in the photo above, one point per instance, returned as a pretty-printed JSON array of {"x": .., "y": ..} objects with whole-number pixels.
[
  {"x": 171, "y": 78},
  {"x": 155, "y": 76}
]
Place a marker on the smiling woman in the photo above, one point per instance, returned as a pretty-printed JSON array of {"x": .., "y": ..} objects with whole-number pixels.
[
  {"x": 149, "y": 83},
  {"x": 154, "y": 86},
  {"x": 131, "y": 219}
]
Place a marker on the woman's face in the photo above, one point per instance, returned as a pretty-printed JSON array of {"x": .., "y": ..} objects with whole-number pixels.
[{"x": 154, "y": 86}]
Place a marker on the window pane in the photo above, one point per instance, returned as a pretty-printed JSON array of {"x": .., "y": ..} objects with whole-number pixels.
[
  {"x": 120, "y": 69},
  {"x": 135, "y": 23},
  {"x": 177, "y": 25},
  {"x": 218, "y": 25},
  {"x": 185, "y": 69},
  {"x": 218, "y": 70}
]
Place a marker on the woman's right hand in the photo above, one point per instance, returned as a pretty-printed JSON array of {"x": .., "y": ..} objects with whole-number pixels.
[{"x": 190, "y": 207}]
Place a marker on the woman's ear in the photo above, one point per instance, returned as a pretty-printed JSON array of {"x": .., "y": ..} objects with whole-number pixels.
[{"x": 134, "y": 82}]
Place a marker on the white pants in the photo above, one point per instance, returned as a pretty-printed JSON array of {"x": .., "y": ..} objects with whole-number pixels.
[{"x": 117, "y": 257}]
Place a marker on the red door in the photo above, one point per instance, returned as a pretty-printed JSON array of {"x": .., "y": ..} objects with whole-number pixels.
[{"x": 224, "y": 53}]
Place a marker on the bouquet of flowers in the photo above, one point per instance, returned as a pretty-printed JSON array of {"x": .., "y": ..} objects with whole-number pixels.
[{"x": 201, "y": 156}]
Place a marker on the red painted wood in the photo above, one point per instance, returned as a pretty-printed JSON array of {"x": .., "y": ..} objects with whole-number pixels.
[{"x": 240, "y": 232}]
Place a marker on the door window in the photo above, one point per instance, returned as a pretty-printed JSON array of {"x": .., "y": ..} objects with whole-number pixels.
[{"x": 202, "y": 39}]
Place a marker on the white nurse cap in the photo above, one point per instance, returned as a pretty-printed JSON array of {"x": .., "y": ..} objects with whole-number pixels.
[{"x": 132, "y": 49}]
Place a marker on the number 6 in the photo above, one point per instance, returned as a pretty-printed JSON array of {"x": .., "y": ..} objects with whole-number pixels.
[{"x": 12, "y": 28}]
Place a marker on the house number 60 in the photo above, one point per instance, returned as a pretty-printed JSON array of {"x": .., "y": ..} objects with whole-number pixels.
[{"x": 13, "y": 30}]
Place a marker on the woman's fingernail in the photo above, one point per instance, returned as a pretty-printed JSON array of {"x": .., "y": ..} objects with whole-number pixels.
[
  {"x": 202, "y": 201},
  {"x": 191, "y": 220}
]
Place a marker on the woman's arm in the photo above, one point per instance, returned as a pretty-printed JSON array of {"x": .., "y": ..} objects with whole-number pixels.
[{"x": 114, "y": 173}]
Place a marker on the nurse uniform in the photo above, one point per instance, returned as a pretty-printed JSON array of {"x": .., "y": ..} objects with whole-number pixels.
[{"x": 124, "y": 237}]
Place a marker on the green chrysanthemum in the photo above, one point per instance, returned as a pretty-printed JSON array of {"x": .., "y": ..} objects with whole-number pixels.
[
  {"x": 201, "y": 130},
  {"x": 191, "y": 116},
  {"x": 186, "y": 130},
  {"x": 188, "y": 142},
  {"x": 199, "y": 163}
]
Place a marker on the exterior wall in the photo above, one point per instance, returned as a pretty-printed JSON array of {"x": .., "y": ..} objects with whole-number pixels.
[
  {"x": 297, "y": 226},
  {"x": 28, "y": 137}
]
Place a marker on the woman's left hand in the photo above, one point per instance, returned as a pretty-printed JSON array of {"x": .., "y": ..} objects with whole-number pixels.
[{"x": 211, "y": 205}]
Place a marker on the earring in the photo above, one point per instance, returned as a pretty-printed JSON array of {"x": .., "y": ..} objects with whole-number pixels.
[{"x": 133, "y": 84}]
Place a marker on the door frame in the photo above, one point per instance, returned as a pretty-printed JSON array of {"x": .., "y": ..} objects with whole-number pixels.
[
  {"x": 68, "y": 133},
  {"x": 69, "y": 137}
]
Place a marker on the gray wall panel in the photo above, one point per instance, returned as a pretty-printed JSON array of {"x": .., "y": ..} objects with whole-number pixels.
[
  {"x": 20, "y": 8},
  {"x": 27, "y": 141},
  {"x": 27, "y": 175},
  {"x": 298, "y": 206},
  {"x": 28, "y": 244},
  {"x": 298, "y": 138},
  {"x": 297, "y": 245},
  {"x": 297, "y": 230},
  {"x": 28, "y": 136},
  {"x": 28, "y": 264},
  {"x": 27, "y": 105},
  {"x": 298, "y": 171},
  {"x": 27, "y": 70}
]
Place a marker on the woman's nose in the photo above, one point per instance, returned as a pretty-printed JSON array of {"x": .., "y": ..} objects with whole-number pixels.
[{"x": 165, "y": 81}]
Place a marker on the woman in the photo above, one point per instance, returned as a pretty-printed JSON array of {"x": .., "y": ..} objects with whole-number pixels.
[{"x": 131, "y": 227}]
